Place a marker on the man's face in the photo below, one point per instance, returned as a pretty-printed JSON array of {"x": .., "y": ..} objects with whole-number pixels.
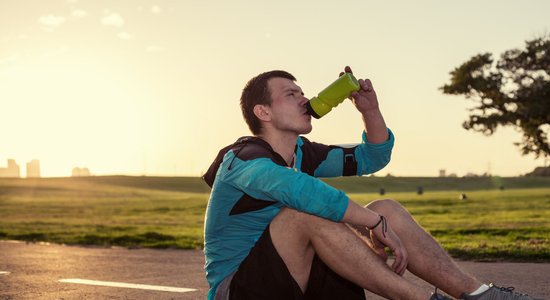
[{"x": 288, "y": 111}]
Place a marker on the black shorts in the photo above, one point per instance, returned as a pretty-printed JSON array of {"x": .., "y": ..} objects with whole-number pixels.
[{"x": 264, "y": 275}]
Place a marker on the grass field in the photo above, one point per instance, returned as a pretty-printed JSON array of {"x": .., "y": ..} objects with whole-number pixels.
[{"x": 162, "y": 212}]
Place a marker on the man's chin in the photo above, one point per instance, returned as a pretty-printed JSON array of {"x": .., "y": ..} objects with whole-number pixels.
[{"x": 307, "y": 130}]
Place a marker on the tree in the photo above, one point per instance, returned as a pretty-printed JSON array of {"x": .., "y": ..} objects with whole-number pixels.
[{"x": 513, "y": 92}]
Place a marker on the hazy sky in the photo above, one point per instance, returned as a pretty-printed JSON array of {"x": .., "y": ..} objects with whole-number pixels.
[{"x": 152, "y": 87}]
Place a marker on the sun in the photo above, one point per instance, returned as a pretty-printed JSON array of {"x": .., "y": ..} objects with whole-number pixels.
[{"x": 68, "y": 111}]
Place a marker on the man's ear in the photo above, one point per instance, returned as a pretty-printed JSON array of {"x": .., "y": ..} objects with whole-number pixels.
[{"x": 262, "y": 112}]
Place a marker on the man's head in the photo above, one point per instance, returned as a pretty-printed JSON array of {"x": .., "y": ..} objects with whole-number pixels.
[{"x": 257, "y": 92}]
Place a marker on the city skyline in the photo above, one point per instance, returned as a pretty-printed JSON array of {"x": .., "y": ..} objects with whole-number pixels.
[
  {"x": 152, "y": 87},
  {"x": 13, "y": 170},
  {"x": 33, "y": 170}
]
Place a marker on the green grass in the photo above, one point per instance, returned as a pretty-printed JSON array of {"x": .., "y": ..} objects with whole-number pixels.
[
  {"x": 168, "y": 212},
  {"x": 490, "y": 225},
  {"x": 124, "y": 211}
]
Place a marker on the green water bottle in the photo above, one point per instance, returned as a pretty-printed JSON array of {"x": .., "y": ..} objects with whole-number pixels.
[{"x": 332, "y": 95}]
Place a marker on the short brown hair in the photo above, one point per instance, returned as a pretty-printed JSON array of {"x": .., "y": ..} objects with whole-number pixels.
[{"x": 256, "y": 92}]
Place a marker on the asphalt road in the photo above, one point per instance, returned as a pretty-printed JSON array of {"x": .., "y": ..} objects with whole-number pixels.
[{"x": 34, "y": 271}]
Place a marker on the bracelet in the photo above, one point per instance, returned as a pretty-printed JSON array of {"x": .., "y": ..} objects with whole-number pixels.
[{"x": 384, "y": 225}]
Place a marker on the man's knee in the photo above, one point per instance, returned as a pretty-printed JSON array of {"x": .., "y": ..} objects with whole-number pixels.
[{"x": 387, "y": 207}]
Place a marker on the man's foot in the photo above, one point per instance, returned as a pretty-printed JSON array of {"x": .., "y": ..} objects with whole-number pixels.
[{"x": 498, "y": 293}]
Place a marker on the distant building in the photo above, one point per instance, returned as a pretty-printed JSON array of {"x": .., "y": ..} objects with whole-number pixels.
[
  {"x": 474, "y": 175},
  {"x": 11, "y": 171},
  {"x": 33, "y": 169},
  {"x": 442, "y": 173},
  {"x": 81, "y": 172}
]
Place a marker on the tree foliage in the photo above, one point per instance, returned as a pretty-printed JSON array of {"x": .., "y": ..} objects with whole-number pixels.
[{"x": 514, "y": 91}]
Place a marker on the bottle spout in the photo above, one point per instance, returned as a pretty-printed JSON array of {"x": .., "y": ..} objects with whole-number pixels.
[{"x": 311, "y": 111}]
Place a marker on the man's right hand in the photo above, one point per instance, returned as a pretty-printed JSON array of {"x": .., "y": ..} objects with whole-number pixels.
[
  {"x": 383, "y": 234},
  {"x": 377, "y": 246}
]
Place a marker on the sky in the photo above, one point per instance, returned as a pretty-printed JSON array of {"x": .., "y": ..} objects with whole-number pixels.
[{"x": 152, "y": 87}]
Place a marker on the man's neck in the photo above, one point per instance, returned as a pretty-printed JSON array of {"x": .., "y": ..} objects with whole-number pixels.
[{"x": 283, "y": 144}]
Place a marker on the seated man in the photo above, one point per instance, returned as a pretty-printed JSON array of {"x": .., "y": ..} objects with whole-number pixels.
[{"x": 274, "y": 231}]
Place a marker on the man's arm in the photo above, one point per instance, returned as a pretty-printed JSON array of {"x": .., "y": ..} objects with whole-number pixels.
[
  {"x": 371, "y": 155},
  {"x": 366, "y": 102},
  {"x": 263, "y": 179}
]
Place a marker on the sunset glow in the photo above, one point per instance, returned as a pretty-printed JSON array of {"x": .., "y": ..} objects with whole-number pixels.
[{"x": 152, "y": 87}]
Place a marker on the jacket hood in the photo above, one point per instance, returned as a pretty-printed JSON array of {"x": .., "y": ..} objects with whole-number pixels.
[{"x": 237, "y": 146}]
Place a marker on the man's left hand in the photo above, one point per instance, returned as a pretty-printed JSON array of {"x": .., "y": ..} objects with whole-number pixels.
[{"x": 365, "y": 99}]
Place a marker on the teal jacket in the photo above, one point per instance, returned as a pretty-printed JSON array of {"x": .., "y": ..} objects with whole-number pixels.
[{"x": 251, "y": 183}]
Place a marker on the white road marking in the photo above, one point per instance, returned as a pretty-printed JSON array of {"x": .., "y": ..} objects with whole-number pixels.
[
  {"x": 4, "y": 273},
  {"x": 128, "y": 285}
]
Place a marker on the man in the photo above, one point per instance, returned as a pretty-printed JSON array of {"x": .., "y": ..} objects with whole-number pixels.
[{"x": 274, "y": 231}]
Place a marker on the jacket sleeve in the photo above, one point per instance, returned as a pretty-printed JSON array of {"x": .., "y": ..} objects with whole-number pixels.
[
  {"x": 355, "y": 160},
  {"x": 263, "y": 179}
]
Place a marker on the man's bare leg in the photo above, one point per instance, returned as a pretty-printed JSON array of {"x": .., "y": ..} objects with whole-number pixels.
[
  {"x": 298, "y": 236},
  {"x": 427, "y": 259}
]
